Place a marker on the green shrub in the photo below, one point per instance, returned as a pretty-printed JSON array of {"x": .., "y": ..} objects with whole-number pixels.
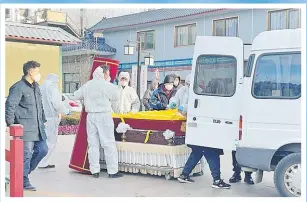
[{"x": 72, "y": 119}]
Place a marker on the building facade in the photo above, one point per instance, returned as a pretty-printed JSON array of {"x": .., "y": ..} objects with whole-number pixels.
[
  {"x": 169, "y": 34},
  {"x": 25, "y": 42}
]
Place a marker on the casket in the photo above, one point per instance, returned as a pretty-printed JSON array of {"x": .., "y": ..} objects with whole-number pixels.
[
  {"x": 148, "y": 127},
  {"x": 143, "y": 148},
  {"x": 149, "y": 137}
]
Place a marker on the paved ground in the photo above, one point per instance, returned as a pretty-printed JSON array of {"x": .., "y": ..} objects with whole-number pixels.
[{"x": 64, "y": 182}]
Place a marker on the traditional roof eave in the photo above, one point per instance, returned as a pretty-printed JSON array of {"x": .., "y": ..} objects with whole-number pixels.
[{"x": 87, "y": 52}]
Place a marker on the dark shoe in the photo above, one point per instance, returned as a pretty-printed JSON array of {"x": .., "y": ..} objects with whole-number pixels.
[
  {"x": 235, "y": 178},
  {"x": 96, "y": 175},
  {"x": 116, "y": 175},
  {"x": 220, "y": 184},
  {"x": 29, "y": 187},
  {"x": 184, "y": 179},
  {"x": 49, "y": 166},
  {"x": 198, "y": 174},
  {"x": 249, "y": 180}
]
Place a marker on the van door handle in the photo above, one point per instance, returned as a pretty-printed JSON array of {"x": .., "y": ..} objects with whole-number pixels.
[{"x": 195, "y": 103}]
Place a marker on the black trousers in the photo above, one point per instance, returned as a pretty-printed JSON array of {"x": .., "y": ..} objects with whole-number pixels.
[
  {"x": 236, "y": 166},
  {"x": 212, "y": 156}
]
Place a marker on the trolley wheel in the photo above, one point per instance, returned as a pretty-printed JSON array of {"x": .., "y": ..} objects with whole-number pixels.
[
  {"x": 168, "y": 176},
  {"x": 201, "y": 173}
]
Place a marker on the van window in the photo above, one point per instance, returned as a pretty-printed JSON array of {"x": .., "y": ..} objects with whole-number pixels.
[
  {"x": 249, "y": 67},
  {"x": 215, "y": 75},
  {"x": 277, "y": 76}
]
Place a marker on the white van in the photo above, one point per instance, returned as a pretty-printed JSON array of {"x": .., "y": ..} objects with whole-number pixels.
[{"x": 255, "y": 111}]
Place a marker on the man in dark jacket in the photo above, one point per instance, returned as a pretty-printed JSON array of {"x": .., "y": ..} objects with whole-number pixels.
[
  {"x": 161, "y": 96},
  {"x": 24, "y": 106}
]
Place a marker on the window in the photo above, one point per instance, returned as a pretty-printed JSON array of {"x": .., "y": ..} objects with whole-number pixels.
[
  {"x": 284, "y": 19},
  {"x": 185, "y": 35},
  {"x": 71, "y": 82},
  {"x": 278, "y": 76},
  {"x": 226, "y": 27},
  {"x": 215, "y": 75},
  {"x": 7, "y": 13},
  {"x": 248, "y": 66},
  {"x": 147, "y": 39}
]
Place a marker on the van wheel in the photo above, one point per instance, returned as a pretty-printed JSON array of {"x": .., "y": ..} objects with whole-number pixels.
[{"x": 287, "y": 176}]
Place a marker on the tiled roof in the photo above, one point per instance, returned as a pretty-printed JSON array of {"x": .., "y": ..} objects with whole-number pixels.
[
  {"x": 89, "y": 45},
  {"x": 147, "y": 17},
  {"x": 35, "y": 33}
]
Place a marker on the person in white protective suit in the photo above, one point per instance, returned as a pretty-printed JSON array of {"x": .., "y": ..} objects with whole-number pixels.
[
  {"x": 129, "y": 100},
  {"x": 98, "y": 96},
  {"x": 53, "y": 108},
  {"x": 181, "y": 98}
]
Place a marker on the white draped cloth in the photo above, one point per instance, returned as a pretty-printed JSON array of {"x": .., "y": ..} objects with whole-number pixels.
[{"x": 153, "y": 159}]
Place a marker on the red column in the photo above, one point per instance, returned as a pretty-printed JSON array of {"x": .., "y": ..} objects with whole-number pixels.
[{"x": 16, "y": 161}]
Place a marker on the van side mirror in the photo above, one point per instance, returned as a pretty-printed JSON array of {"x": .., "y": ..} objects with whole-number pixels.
[{"x": 248, "y": 67}]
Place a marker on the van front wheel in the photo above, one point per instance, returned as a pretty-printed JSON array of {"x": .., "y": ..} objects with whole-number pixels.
[{"x": 287, "y": 176}]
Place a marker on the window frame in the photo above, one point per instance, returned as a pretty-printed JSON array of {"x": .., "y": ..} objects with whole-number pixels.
[
  {"x": 211, "y": 95},
  {"x": 250, "y": 65},
  {"x": 287, "y": 17},
  {"x": 253, "y": 81},
  {"x": 224, "y": 19},
  {"x": 138, "y": 36},
  {"x": 70, "y": 82},
  {"x": 176, "y": 35}
]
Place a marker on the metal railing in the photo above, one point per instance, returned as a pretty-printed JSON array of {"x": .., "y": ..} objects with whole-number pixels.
[{"x": 47, "y": 15}]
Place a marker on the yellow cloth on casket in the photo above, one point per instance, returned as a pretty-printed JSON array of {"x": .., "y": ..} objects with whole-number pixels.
[{"x": 167, "y": 115}]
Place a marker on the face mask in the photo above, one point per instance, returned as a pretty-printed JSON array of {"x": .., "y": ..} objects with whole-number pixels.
[
  {"x": 124, "y": 83},
  {"x": 169, "y": 86},
  {"x": 176, "y": 83},
  {"x": 37, "y": 77}
]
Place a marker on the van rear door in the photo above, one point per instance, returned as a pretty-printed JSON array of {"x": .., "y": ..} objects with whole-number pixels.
[{"x": 215, "y": 96}]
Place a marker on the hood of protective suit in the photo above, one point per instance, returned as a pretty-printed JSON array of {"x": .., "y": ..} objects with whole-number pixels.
[
  {"x": 98, "y": 74},
  {"x": 124, "y": 75},
  {"x": 52, "y": 80}
]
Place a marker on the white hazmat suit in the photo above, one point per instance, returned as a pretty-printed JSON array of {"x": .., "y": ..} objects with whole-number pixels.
[
  {"x": 129, "y": 100},
  {"x": 98, "y": 96},
  {"x": 53, "y": 106},
  {"x": 181, "y": 97}
]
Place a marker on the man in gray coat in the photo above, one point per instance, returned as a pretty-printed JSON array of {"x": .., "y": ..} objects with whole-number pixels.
[{"x": 24, "y": 106}]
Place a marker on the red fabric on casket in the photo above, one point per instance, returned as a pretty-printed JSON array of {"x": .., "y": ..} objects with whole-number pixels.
[
  {"x": 161, "y": 125},
  {"x": 78, "y": 160}
]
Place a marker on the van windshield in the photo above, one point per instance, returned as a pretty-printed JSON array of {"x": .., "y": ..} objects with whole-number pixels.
[
  {"x": 215, "y": 75},
  {"x": 277, "y": 76}
]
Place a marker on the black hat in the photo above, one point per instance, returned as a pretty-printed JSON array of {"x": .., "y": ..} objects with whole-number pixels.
[{"x": 169, "y": 79}]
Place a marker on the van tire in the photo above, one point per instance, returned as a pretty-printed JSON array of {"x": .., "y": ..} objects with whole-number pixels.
[{"x": 281, "y": 168}]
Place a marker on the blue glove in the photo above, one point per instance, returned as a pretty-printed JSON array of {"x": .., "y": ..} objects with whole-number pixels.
[
  {"x": 172, "y": 105},
  {"x": 180, "y": 108}
]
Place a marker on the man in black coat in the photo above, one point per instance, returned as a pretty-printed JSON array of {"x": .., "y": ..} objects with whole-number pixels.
[{"x": 24, "y": 106}]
